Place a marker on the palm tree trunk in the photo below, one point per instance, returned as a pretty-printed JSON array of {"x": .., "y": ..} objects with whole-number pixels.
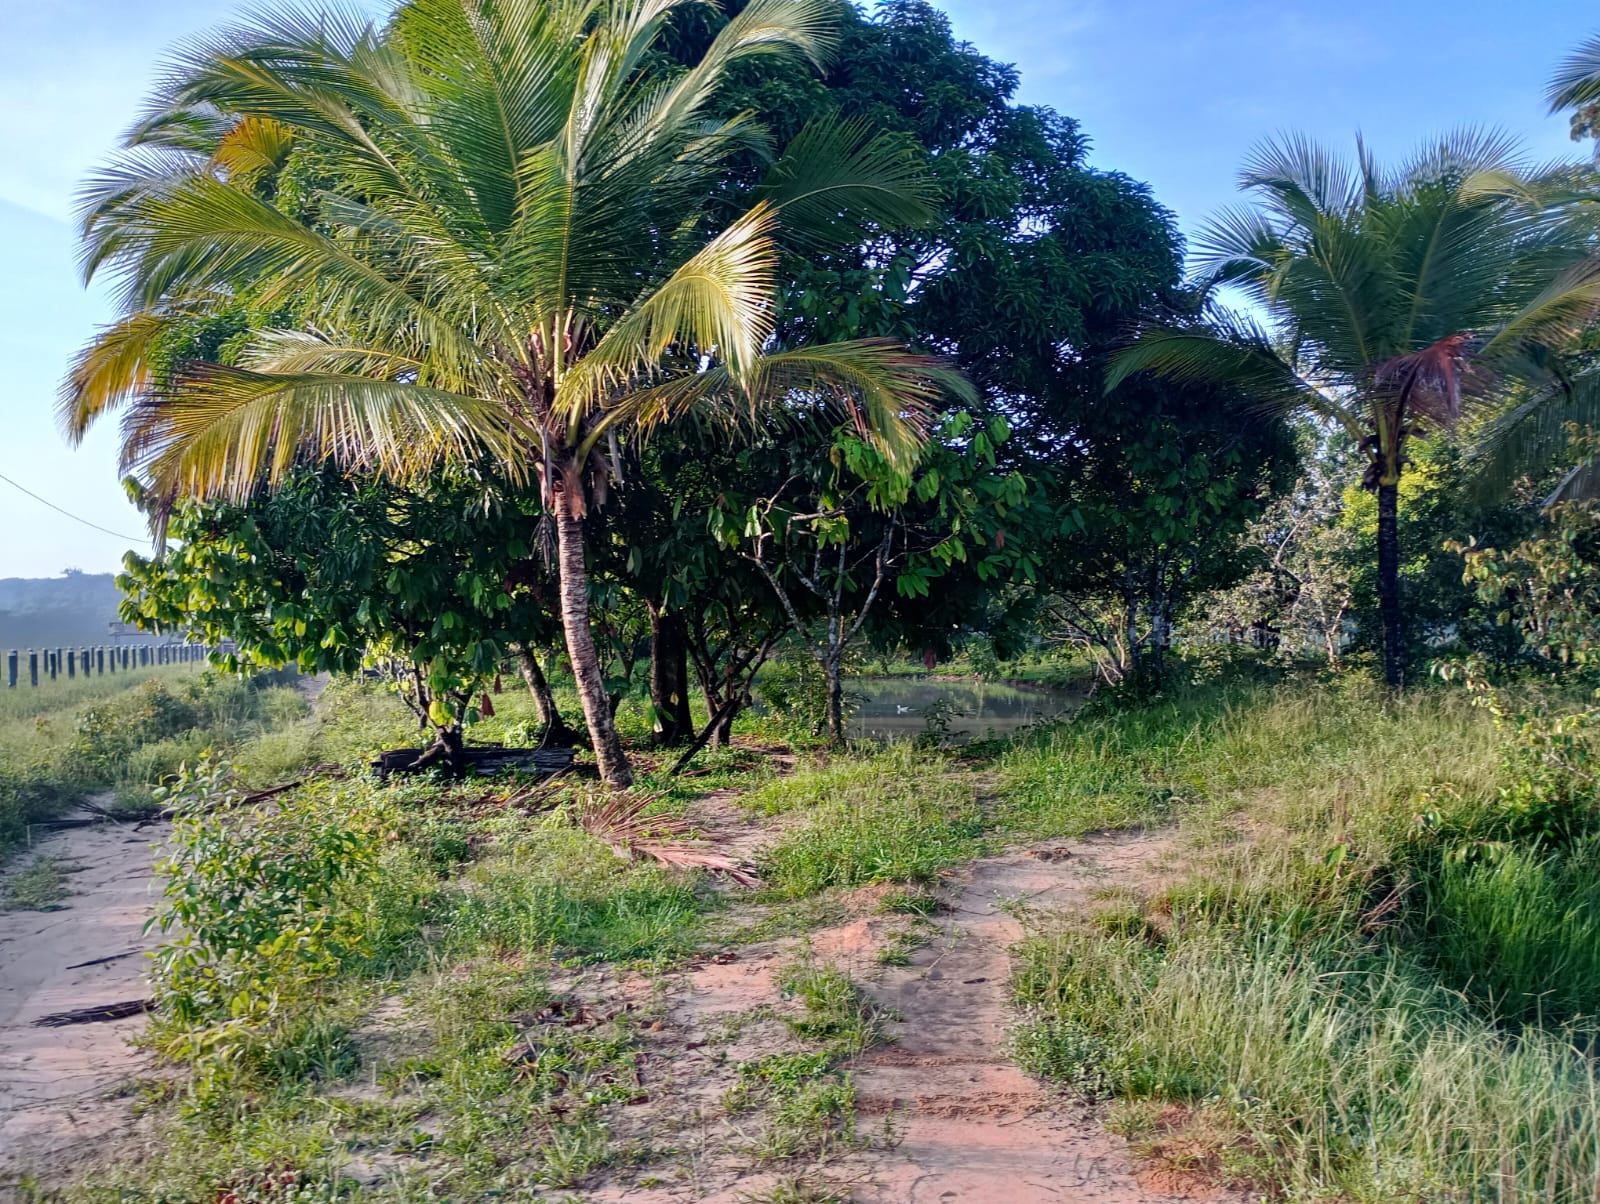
[
  {"x": 614, "y": 768},
  {"x": 1394, "y": 651}
]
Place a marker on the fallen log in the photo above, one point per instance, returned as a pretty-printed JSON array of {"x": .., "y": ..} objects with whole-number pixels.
[
  {"x": 106, "y": 1011},
  {"x": 481, "y": 760}
]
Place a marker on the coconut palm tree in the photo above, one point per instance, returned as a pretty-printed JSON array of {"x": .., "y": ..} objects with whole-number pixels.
[
  {"x": 1576, "y": 87},
  {"x": 1394, "y": 299},
  {"x": 515, "y": 246}
]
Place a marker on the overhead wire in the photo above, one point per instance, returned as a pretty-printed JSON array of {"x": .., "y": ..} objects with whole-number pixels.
[{"x": 68, "y": 513}]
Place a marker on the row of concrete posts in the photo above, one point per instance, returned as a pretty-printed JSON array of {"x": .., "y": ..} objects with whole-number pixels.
[{"x": 50, "y": 664}]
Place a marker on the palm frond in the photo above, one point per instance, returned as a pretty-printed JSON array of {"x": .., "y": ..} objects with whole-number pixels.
[
  {"x": 836, "y": 181},
  {"x": 1531, "y": 437},
  {"x": 718, "y": 304},
  {"x": 216, "y": 431},
  {"x": 1230, "y": 351},
  {"x": 1566, "y": 306},
  {"x": 888, "y": 393},
  {"x": 1301, "y": 179},
  {"x": 1238, "y": 245},
  {"x": 111, "y": 371},
  {"x": 1577, "y": 80}
]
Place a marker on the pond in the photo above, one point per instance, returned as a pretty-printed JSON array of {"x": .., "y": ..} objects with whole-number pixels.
[{"x": 899, "y": 708}]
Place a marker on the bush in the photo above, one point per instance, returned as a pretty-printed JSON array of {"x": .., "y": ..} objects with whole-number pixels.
[{"x": 258, "y": 909}]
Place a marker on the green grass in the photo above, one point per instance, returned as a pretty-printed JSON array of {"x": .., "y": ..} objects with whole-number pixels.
[
  {"x": 806, "y": 1101},
  {"x": 68, "y": 694},
  {"x": 1359, "y": 989},
  {"x": 123, "y": 734},
  {"x": 1520, "y": 933},
  {"x": 1347, "y": 1074},
  {"x": 1357, "y": 993},
  {"x": 899, "y": 815},
  {"x": 551, "y": 887}
]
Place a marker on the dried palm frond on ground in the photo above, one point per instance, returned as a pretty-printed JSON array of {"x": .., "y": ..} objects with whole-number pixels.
[{"x": 619, "y": 819}]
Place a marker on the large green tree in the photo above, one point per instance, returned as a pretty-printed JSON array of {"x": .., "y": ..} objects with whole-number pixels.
[
  {"x": 514, "y": 250},
  {"x": 1396, "y": 298}
]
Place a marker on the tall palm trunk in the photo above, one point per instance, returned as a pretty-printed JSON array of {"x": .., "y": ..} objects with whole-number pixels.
[
  {"x": 1394, "y": 651},
  {"x": 614, "y": 768}
]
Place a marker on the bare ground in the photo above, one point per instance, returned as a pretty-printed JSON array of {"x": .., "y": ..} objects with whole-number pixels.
[
  {"x": 58, "y": 1085},
  {"x": 945, "y": 1114}
]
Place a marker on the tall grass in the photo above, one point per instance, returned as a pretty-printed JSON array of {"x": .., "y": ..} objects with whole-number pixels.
[
  {"x": 1520, "y": 933},
  {"x": 123, "y": 734},
  {"x": 67, "y": 694},
  {"x": 1350, "y": 1074},
  {"x": 1378, "y": 998}
]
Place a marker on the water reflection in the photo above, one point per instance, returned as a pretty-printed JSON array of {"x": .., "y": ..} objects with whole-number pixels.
[{"x": 899, "y": 708}]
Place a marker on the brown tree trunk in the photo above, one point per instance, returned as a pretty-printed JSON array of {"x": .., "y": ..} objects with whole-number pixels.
[
  {"x": 613, "y": 761},
  {"x": 669, "y": 678},
  {"x": 722, "y": 732},
  {"x": 835, "y": 679},
  {"x": 1394, "y": 649},
  {"x": 556, "y": 728}
]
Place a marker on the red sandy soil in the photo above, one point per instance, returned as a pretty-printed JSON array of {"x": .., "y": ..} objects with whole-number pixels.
[{"x": 965, "y": 1123}]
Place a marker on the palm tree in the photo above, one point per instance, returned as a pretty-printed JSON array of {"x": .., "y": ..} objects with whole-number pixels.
[
  {"x": 516, "y": 248},
  {"x": 1395, "y": 298},
  {"x": 1576, "y": 87}
]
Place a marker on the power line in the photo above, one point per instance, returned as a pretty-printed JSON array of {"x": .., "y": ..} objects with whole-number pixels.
[{"x": 68, "y": 513}]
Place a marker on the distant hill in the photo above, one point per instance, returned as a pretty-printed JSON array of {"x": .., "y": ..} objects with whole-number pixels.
[{"x": 71, "y": 610}]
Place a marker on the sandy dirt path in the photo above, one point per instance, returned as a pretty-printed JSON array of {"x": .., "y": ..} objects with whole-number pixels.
[
  {"x": 968, "y": 1125},
  {"x": 57, "y": 1084}
]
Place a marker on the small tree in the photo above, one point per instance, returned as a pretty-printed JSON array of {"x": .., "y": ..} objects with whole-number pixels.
[
  {"x": 1153, "y": 508},
  {"x": 334, "y": 574},
  {"x": 1300, "y": 586},
  {"x": 832, "y": 546},
  {"x": 1547, "y": 586}
]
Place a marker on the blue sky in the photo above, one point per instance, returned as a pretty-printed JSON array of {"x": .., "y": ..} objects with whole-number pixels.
[{"x": 1174, "y": 92}]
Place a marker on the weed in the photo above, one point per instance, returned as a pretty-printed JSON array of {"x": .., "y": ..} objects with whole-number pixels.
[
  {"x": 796, "y": 1189},
  {"x": 914, "y": 902},
  {"x": 903, "y": 942},
  {"x": 810, "y": 1119},
  {"x": 41, "y": 885},
  {"x": 836, "y": 1011}
]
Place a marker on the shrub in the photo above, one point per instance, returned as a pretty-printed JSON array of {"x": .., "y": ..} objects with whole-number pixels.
[{"x": 257, "y": 909}]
